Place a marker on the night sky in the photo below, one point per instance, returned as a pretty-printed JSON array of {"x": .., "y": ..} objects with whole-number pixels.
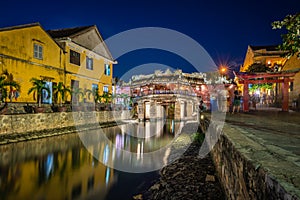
[{"x": 223, "y": 28}]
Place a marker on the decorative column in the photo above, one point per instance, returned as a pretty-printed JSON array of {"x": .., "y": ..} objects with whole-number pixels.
[
  {"x": 141, "y": 111},
  {"x": 285, "y": 94},
  {"x": 246, "y": 97}
]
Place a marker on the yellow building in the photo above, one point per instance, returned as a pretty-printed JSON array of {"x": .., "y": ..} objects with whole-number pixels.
[
  {"x": 28, "y": 51},
  {"x": 88, "y": 62},
  {"x": 266, "y": 55},
  {"x": 293, "y": 63},
  {"x": 78, "y": 57}
]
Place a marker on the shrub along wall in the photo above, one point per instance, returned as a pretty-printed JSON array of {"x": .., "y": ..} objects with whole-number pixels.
[{"x": 22, "y": 123}]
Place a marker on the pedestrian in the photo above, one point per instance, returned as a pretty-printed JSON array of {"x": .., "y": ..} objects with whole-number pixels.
[
  {"x": 236, "y": 102},
  {"x": 253, "y": 100},
  {"x": 202, "y": 106}
]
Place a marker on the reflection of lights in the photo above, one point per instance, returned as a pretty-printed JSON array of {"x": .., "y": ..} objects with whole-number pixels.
[
  {"x": 107, "y": 175},
  {"x": 166, "y": 156},
  {"x": 105, "y": 154},
  {"x": 119, "y": 142},
  {"x": 138, "y": 148},
  {"x": 49, "y": 164},
  {"x": 202, "y": 117}
]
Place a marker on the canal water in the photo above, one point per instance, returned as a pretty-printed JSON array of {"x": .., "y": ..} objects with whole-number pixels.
[{"x": 64, "y": 167}]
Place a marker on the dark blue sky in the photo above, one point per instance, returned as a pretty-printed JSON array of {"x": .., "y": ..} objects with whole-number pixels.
[{"x": 223, "y": 28}]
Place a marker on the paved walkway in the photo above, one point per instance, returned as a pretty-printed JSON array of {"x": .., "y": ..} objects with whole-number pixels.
[{"x": 270, "y": 139}]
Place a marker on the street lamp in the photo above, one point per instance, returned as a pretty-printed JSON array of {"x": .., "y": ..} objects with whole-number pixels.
[{"x": 223, "y": 70}]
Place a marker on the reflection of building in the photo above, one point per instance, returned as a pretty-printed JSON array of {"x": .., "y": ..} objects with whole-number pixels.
[
  {"x": 168, "y": 94},
  {"x": 67, "y": 171},
  {"x": 77, "y": 57},
  {"x": 266, "y": 55}
]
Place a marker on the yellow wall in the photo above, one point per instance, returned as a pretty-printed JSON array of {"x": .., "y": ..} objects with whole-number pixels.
[
  {"x": 87, "y": 77},
  {"x": 291, "y": 64},
  {"x": 17, "y": 57},
  {"x": 253, "y": 57}
]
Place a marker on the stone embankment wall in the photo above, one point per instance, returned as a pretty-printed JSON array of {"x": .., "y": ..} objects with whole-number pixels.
[
  {"x": 21, "y": 123},
  {"x": 241, "y": 179}
]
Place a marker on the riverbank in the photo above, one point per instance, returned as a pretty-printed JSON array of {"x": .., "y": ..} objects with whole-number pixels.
[
  {"x": 32, "y": 135},
  {"x": 188, "y": 177},
  {"x": 23, "y": 123}
]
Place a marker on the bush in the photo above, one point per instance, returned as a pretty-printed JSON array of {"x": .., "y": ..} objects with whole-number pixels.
[{"x": 198, "y": 137}]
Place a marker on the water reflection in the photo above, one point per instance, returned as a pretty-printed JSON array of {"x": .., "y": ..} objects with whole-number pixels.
[
  {"x": 134, "y": 148},
  {"x": 62, "y": 168}
]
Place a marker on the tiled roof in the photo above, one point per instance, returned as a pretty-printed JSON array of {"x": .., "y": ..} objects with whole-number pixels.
[
  {"x": 267, "y": 47},
  {"x": 67, "y": 32},
  {"x": 19, "y": 26}
]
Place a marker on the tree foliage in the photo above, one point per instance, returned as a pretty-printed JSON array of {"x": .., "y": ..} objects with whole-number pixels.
[
  {"x": 290, "y": 40},
  {"x": 60, "y": 92},
  {"x": 38, "y": 86},
  {"x": 256, "y": 67},
  {"x": 7, "y": 86}
]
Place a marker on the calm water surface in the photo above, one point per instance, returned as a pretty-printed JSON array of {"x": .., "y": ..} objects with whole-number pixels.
[{"x": 61, "y": 167}]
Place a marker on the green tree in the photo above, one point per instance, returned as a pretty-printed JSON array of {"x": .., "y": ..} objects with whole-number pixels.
[
  {"x": 4, "y": 84},
  {"x": 60, "y": 92},
  {"x": 254, "y": 68},
  {"x": 290, "y": 40},
  {"x": 77, "y": 94},
  {"x": 37, "y": 90},
  {"x": 11, "y": 83},
  {"x": 107, "y": 97}
]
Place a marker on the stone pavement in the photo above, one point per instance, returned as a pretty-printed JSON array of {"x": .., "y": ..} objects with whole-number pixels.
[{"x": 270, "y": 139}]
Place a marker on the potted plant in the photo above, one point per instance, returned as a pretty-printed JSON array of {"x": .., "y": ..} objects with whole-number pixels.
[
  {"x": 37, "y": 90},
  {"x": 107, "y": 97},
  {"x": 88, "y": 93},
  {"x": 77, "y": 94},
  {"x": 60, "y": 94},
  {"x": 5, "y": 82}
]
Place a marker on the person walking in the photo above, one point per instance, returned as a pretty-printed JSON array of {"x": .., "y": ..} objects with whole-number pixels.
[
  {"x": 254, "y": 101},
  {"x": 236, "y": 102}
]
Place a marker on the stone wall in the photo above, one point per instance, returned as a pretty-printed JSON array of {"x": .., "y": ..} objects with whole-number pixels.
[
  {"x": 22, "y": 123},
  {"x": 241, "y": 179}
]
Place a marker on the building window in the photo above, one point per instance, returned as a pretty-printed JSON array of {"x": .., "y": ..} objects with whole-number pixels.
[
  {"x": 75, "y": 57},
  {"x": 107, "y": 69},
  {"x": 89, "y": 63},
  {"x": 95, "y": 87},
  {"x": 105, "y": 89},
  {"x": 38, "y": 51}
]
